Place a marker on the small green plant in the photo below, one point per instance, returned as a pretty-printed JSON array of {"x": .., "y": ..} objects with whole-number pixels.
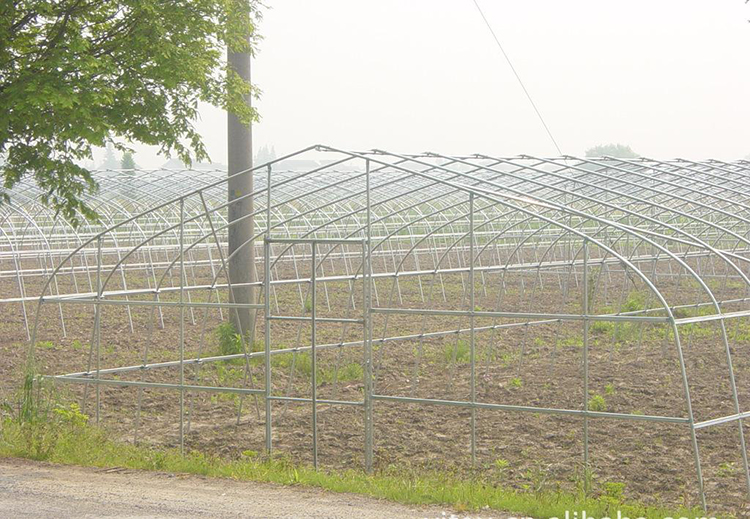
[
  {"x": 72, "y": 415},
  {"x": 609, "y": 389},
  {"x": 350, "y": 372},
  {"x": 501, "y": 464},
  {"x": 46, "y": 345},
  {"x": 461, "y": 351},
  {"x": 228, "y": 376},
  {"x": 597, "y": 403},
  {"x": 614, "y": 492},
  {"x": 602, "y": 327},
  {"x": 308, "y": 306},
  {"x": 230, "y": 342},
  {"x": 516, "y": 382},
  {"x": 303, "y": 366},
  {"x": 636, "y": 301},
  {"x": 727, "y": 470},
  {"x": 76, "y": 345},
  {"x": 586, "y": 480}
]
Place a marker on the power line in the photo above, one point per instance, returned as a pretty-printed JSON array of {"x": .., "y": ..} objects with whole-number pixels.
[{"x": 520, "y": 82}]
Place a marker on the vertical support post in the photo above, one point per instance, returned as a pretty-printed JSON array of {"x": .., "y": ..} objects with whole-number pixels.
[
  {"x": 472, "y": 345},
  {"x": 97, "y": 324},
  {"x": 367, "y": 289},
  {"x": 689, "y": 405},
  {"x": 182, "y": 325},
  {"x": 736, "y": 401},
  {"x": 313, "y": 353},
  {"x": 267, "y": 309},
  {"x": 585, "y": 306}
]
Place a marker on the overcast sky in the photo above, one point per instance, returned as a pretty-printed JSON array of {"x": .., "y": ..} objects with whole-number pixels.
[{"x": 671, "y": 78}]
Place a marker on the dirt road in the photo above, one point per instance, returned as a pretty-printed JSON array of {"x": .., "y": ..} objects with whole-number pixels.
[{"x": 29, "y": 489}]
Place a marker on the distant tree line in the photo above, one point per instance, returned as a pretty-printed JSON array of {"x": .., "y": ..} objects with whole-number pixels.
[
  {"x": 620, "y": 151},
  {"x": 265, "y": 154}
]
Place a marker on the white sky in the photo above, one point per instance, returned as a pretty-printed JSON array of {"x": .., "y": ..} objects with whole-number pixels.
[{"x": 671, "y": 78}]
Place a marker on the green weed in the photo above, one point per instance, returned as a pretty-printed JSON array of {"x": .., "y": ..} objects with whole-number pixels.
[
  {"x": 460, "y": 350},
  {"x": 230, "y": 342},
  {"x": 597, "y": 403}
]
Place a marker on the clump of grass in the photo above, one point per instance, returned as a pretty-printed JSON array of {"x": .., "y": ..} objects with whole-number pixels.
[
  {"x": 351, "y": 372},
  {"x": 636, "y": 301},
  {"x": 35, "y": 422},
  {"x": 501, "y": 464},
  {"x": 602, "y": 327},
  {"x": 516, "y": 382},
  {"x": 614, "y": 492},
  {"x": 597, "y": 403},
  {"x": 460, "y": 352},
  {"x": 303, "y": 366}
]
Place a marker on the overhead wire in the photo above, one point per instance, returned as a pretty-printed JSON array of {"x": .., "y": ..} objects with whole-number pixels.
[{"x": 518, "y": 77}]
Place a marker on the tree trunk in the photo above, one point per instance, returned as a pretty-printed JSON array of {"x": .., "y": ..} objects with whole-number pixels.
[{"x": 242, "y": 258}]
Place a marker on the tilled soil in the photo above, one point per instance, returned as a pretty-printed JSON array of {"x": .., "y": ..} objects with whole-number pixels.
[{"x": 633, "y": 369}]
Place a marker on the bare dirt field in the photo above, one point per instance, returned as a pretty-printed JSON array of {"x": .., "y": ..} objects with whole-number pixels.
[{"x": 634, "y": 370}]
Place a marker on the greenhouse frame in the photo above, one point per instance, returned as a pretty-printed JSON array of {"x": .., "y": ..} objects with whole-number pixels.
[{"x": 373, "y": 252}]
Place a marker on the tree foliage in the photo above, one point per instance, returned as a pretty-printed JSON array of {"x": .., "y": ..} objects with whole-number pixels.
[
  {"x": 75, "y": 74},
  {"x": 620, "y": 151}
]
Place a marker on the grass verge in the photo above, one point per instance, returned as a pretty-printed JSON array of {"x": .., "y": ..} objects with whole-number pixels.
[{"x": 61, "y": 434}]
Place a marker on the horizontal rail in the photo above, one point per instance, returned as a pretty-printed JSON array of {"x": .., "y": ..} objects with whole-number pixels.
[
  {"x": 318, "y": 400},
  {"x": 317, "y": 319},
  {"x": 154, "y": 385},
  {"x": 713, "y": 317},
  {"x": 300, "y": 349},
  {"x": 405, "y": 400},
  {"x": 532, "y": 409},
  {"x": 722, "y": 420},
  {"x": 318, "y": 241},
  {"x": 521, "y": 315},
  {"x": 120, "y": 302}
]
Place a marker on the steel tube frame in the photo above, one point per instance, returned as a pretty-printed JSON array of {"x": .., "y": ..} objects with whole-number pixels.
[{"x": 566, "y": 214}]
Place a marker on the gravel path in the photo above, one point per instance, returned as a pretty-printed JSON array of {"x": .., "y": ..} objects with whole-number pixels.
[{"x": 30, "y": 489}]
